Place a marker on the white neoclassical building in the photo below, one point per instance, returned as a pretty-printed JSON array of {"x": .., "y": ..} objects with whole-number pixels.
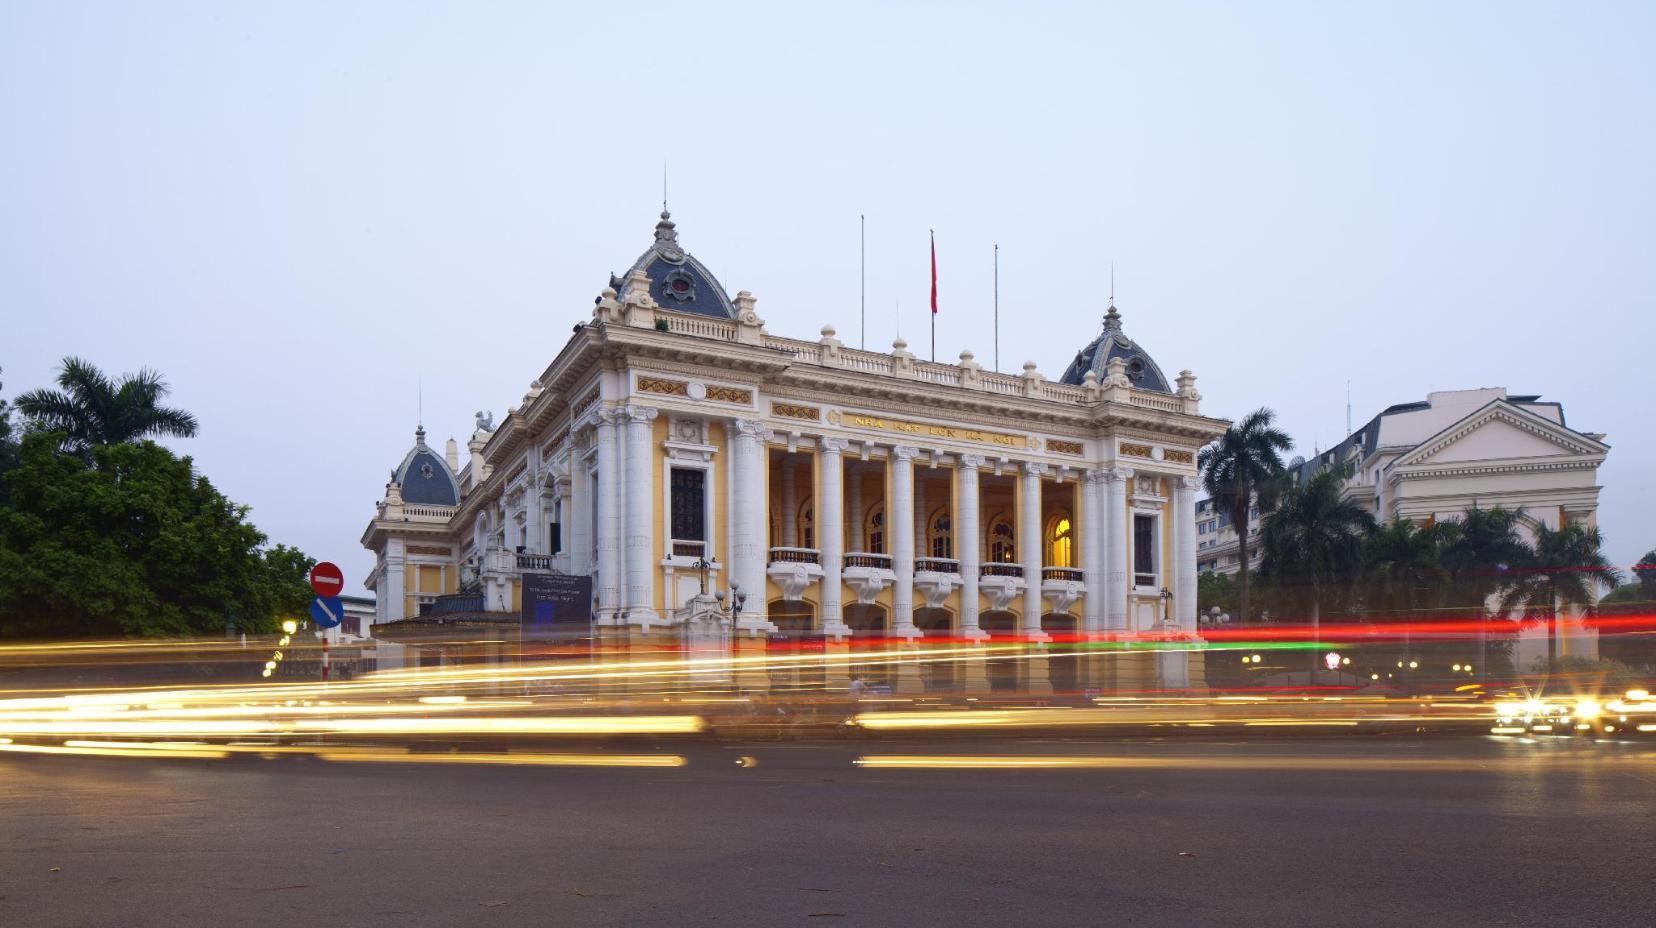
[
  {"x": 673, "y": 441},
  {"x": 1432, "y": 460}
]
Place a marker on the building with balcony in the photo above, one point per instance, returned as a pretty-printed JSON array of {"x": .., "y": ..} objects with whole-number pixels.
[{"x": 675, "y": 442}]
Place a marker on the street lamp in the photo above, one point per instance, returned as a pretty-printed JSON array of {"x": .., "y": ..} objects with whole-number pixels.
[
  {"x": 733, "y": 608},
  {"x": 704, "y": 564}
]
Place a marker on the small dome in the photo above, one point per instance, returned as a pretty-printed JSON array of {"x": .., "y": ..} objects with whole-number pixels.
[
  {"x": 425, "y": 477},
  {"x": 677, "y": 280},
  {"x": 1113, "y": 343}
]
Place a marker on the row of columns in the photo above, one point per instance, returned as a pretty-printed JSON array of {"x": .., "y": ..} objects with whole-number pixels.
[{"x": 626, "y": 516}]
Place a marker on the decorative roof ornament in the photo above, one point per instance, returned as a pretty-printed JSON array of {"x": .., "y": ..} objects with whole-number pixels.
[
  {"x": 1112, "y": 320},
  {"x": 666, "y": 236}
]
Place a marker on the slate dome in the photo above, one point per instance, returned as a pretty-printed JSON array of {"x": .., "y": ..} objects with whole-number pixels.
[
  {"x": 677, "y": 280},
  {"x": 425, "y": 477},
  {"x": 1142, "y": 369}
]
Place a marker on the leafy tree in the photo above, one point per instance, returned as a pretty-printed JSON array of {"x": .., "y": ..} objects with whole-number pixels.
[
  {"x": 1566, "y": 568},
  {"x": 1314, "y": 539},
  {"x": 131, "y": 542},
  {"x": 1645, "y": 571},
  {"x": 8, "y": 446},
  {"x": 91, "y": 409},
  {"x": 1216, "y": 589},
  {"x": 1243, "y": 467}
]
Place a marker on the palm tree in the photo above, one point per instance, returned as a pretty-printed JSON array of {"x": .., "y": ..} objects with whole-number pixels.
[
  {"x": 1243, "y": 467},
  {"x": 92, "y": 410},
  {"x": 1404, "y": 567},
  {"x": 1481, "y": 559},
  {"x": 1315, "y": 538},
  {"x": 1566, "y": 568}
]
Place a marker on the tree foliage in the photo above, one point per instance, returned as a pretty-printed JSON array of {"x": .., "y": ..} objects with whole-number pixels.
[
  {"x": 1242, "y": 467},
  {"x": 1314, "y": 539},
  {"x": 8, "y": 446},
  {"x": 128, "y": 540},
  {"x": 1565, "y": 568},
  {"x": 93, "y": 409}
]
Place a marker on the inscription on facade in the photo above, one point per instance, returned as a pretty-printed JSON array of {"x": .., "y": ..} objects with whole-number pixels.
[
  {"x": 858, "y": 420},
  {"x": 429, "y": 551}
]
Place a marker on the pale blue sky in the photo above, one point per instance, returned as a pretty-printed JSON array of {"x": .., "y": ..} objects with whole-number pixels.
[{"x": 298, "y": 210}]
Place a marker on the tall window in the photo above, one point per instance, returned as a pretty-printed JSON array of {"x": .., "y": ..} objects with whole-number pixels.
[
  {"x": 942, "y": 535},
  {"x": 1060, "y": 543},
  {"x": 1144, "y": 550},
  {"x": 1001, "y": 543},
  {"x": 689, "y": 515},
  {"x": 876, "y": 531},
  {"x": 807, "y": 526}
]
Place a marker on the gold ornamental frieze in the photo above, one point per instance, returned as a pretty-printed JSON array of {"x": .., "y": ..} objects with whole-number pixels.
[{"x": 857, "y": 420}]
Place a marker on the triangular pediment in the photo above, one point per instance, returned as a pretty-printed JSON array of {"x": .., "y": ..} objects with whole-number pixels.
[{"x": 1500, "y": 431}]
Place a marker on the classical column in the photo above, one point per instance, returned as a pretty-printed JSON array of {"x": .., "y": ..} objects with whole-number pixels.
[
  {"x": 900, "y": 525},
  {"x": 609, "y": 517},
  {"x": 1115, "y": 547},
  {"x": 789, "y": 522},
  {"x": 968, "y": 544},
  {"x": 854, "y": 513},
  {"x": 747, "y": 542},
  {"x": 640, "y": 596},
  {"x": 1184, "y": 552},
  {"x": 580, "y": 512},
  {"x": 830, "y": 530},
  {"x": 1029, "y": 541},
  {"x": 396, "y": 602},
  {"x": 1092, "y": 549}
]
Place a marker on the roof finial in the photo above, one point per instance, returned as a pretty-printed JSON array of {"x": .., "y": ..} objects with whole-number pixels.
[
  {"x": 1112, "y": 319},
  {"x": 664, "y": 188}
]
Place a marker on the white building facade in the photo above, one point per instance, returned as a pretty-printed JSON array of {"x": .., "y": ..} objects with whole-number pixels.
[
  {"x": 1431, "y": 461},
  {"x": 674, "y": 441}
]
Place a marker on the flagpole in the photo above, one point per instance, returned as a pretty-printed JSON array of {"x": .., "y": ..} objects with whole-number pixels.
[
  {"x": 934, "y": 295},
  {"x": 997, "y": 307},
  {"x": 862, "y": 276}
]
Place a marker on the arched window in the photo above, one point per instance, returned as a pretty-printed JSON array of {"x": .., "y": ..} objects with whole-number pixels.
[
  {"x": 941, "y": 534},
  {"x": 1002, "y": 546},
  {"x": 1060, "y": 543},
  {"x": 876, "y": 529}
]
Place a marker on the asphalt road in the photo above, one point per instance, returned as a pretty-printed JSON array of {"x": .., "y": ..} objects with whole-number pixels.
[{"x": 1461, "y": 832}]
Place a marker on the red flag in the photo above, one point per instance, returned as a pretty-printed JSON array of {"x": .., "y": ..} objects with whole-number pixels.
[{"x": 934, "y": 272}]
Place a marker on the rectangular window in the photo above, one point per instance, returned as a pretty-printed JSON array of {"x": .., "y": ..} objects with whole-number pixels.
[
  {"x": 1144, "y": 550},
  {"x": 689, "y": 516}
]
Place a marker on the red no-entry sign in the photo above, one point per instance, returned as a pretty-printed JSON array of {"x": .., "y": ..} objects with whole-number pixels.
[{"x": 326, "y": 579}]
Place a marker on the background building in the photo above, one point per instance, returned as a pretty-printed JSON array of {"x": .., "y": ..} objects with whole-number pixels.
[{"x": 1431, "y": 461}]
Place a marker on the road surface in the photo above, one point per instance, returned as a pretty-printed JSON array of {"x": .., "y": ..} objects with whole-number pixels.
[{"x": 1446, "y": 831}]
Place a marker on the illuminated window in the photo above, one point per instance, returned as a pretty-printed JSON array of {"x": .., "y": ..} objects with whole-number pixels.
[
  {"x": 1001, "y": 547},
  {"x": 1060, "y": 543}
]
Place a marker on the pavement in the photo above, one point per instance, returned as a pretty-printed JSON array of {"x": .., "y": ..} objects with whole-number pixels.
[{"x": 1279, "y": 832}]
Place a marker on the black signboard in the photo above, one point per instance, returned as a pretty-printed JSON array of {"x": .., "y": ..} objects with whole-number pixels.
[{"x": 556, "y": 603}]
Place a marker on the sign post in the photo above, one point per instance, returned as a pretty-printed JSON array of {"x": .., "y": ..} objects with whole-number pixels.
[{"x": 327, "y": 579}]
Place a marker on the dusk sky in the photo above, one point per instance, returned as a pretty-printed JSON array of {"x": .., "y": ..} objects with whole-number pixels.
[{"x": 301, "y": 212}]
